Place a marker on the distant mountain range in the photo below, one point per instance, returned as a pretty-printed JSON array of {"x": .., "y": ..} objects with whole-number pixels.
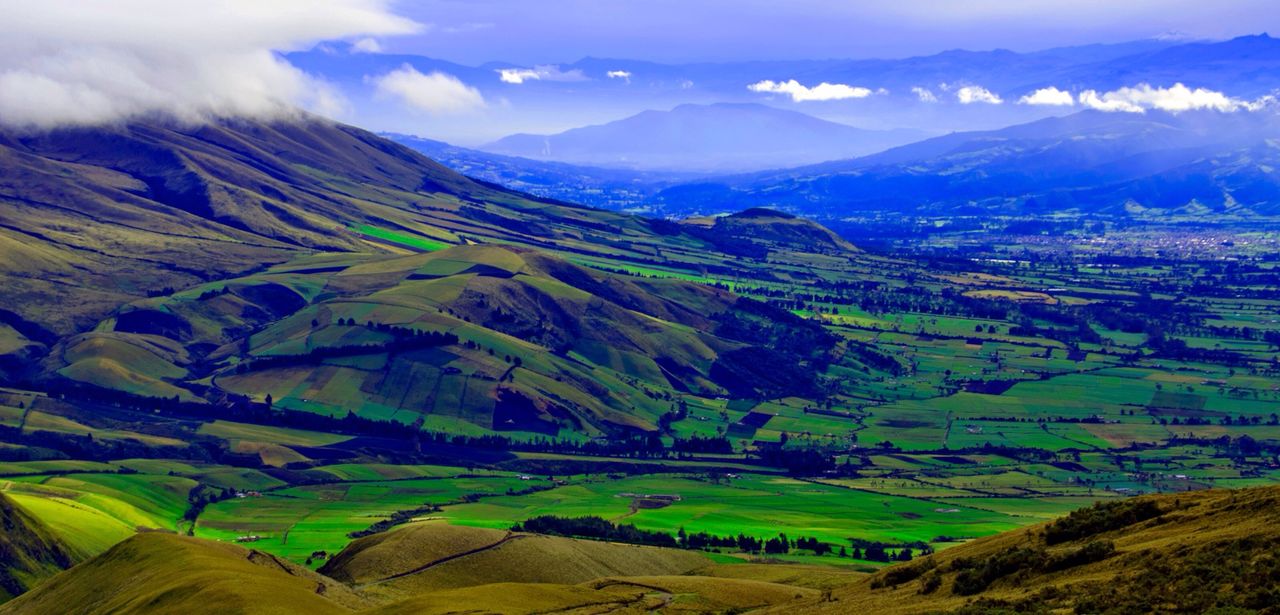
[
  {"x": 1117, "y": 163},
  {"x": 921, "y": 93},
  {"x": 717, "y": 137},
  {"x": 617, "y": 189}
]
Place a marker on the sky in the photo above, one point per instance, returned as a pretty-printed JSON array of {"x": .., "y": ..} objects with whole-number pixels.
[
  {"x": 71, "y": 62},
  {"x": 524, "y": 31}
]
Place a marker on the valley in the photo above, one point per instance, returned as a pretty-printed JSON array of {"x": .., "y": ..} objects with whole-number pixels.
[
  {"x": 371, "y": 307},
  {"x": 715, "y": 382}
]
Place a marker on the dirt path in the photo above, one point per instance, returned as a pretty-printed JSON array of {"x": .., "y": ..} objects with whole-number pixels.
[{"x": 510, "y": 536}]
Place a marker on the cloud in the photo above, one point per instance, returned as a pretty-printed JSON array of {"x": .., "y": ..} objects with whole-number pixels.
[
  {"x": 435, "y": 92},
  {"x": 619, "y": 74},
  {"x": 65, "y": 62},
  {"x": 1050, "y": 97},
  {"x": 822, "y": 91},
  {"x": 366, "y": 45},
  {"x": 546, "y": 72},
  {"x": 924, "y": 94},
  {"x": 971, "y": 94},
  {"x": 1175, "y": 99}
]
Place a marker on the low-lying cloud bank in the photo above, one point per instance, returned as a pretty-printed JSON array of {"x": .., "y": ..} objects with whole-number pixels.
[
  {"x": 822, "y": 91},
  {"x": 973, "y": 94},
  {"x": 547, "y": 72},
  {"x": 68, "y": 62},
  {"x": 435, "y": 92},
  {"x": 1145, "y": 97}
]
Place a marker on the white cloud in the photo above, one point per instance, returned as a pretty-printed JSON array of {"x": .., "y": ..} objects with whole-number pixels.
[
  {"x": 366, "y": 45},
  {"x": 1175, "y": 99},
  {"x": 801, "y": 93},
  {"x": 68, "y": 62},
  {"x": 619, "y": 74},
  {"x": 1050, "y": 97},
  {"x": 924, "y": 94},
  {"x": 433, "y": 93},
  {"x": 547, "y": 72},
  {"x": 971, "y": 94}
]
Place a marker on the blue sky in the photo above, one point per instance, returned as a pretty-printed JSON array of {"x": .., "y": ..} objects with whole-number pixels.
[
  {"x": 378, "y": 63},
  {"x": 523, "y": 31}
]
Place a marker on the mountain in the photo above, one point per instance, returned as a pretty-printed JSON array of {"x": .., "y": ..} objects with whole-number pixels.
[
  {"x": 616, "y": 189},
  {"x": 29, "y": 551},
  {"x": 93, "y": 218},
  {"x": 722, "y": 136},
  {"x": 1116, "y": 163}
]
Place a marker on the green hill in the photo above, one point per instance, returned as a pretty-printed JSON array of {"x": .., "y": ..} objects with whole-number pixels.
[
  {"x": 29, "y": 551},
  {"x": 97, "y": 217},
  {"x": 542, "y": 345}
]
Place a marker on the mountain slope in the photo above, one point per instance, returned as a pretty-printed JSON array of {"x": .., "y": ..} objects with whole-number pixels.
[
  {"x": 29, "y": 551},
  {"x": 1090, "y": 161},
  {"x": 93, "y": 218},
  {"x": 723, "y": 136},
  {"x": 1178, "y": 553}
]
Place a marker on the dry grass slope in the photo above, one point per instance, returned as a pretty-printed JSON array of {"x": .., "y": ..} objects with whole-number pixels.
[
  {"x": 165, "y": 573},
  {"x": 1188, "y": 553}
]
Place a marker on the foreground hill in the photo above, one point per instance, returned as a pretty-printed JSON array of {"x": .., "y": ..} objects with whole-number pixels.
[
  {"x": 164, "y": 573},
  {"x": 1194, "y": 552},
  {"x": 721, "y": 137},
  {"x": 422, "y": 568},
  {"x": 29, "y": 551},
  {"x": 1187, "y": 553}
]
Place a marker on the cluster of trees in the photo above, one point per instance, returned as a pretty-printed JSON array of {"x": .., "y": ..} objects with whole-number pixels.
[
  {"x": 403, "y": 339},
  {"x": 601, "y": 529},
  {"x": 596, "y": 528}
]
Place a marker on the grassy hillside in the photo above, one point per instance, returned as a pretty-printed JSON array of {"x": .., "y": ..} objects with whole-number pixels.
[
  {"x": 165, "y": 573},
  {"x": 29, "y": 551},
  {"x": 542, "y": 345},
  {"x": 1196, "y": 552},
  {"x": 432, "y": 556},
  {"x": 93, "y": 218}
]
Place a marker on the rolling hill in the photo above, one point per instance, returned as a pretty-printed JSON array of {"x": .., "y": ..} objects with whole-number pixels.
[
  {"x": 721, "y": 137},
  {"x": 534, "y": 343}
]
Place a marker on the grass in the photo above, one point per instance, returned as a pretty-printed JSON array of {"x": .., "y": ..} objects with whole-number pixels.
[
  {"x": 413, "y": 241},
  {"x": 756, "y": 505},
  {"x": 298, "y": 521}
]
